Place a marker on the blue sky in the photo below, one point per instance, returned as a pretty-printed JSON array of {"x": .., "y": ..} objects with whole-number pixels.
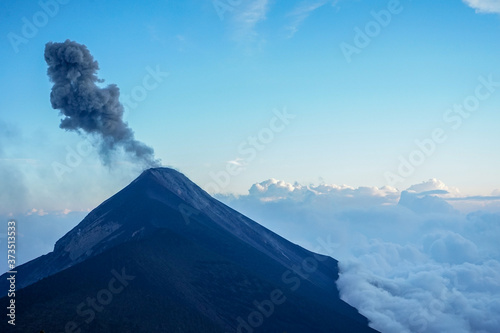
[{"x": 232, "y": 67}]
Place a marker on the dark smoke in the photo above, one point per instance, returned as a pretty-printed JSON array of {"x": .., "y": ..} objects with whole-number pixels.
[{"x": 86, "y": 106}]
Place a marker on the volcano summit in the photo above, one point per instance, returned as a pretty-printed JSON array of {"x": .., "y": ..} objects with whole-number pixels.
[{"x": 162, "y": 255}]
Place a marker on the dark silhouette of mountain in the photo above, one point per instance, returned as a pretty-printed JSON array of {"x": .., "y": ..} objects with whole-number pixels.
[{"x": 164, "y": 256}]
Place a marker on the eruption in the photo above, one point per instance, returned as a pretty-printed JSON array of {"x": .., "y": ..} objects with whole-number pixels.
[{"x": 86, "y": 106}]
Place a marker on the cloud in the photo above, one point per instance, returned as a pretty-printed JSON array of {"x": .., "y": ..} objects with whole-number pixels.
[
  {"x": 432, "y": 196},
  {"x": 478, "y": 202},
  {"x": 484, "y": 6},
  {"x": 417, "y": 294},
  {"x": 39, "y": 212},
  {"x": 409, "y": 261},
  {"x": 432, "y": 185},
  {"x": 301, "y": 13},
  {"x": 66, "y": 211},
  {"x": 246, "y": 18},
  {"x": 240, "y": 162},
  {"x": 426, "y": 202},
  {"x": 273, "y": 190},
  {"x": 437, "y": 196}
]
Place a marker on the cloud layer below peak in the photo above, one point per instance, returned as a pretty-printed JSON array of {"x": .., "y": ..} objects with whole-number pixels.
[{"x": 411, "y": 261}]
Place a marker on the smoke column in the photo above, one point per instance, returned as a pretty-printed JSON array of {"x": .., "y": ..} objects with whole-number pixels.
[{"x": 86, "y": 106}]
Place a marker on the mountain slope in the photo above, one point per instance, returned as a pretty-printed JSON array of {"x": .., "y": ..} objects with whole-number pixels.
[{"x": 198, "y": 266}]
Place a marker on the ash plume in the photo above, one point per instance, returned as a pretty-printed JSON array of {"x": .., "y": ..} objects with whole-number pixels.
[{"x": 86, "y": 106}]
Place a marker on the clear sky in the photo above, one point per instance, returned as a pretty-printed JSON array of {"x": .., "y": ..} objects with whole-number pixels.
[{"x": 361, "y": 81}]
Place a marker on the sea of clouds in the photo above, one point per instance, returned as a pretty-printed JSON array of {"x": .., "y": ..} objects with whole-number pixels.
[{"x": 426, "y": 259}]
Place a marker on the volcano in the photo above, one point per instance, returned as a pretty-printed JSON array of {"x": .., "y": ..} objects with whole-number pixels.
[{"x": 162, "y": 255}]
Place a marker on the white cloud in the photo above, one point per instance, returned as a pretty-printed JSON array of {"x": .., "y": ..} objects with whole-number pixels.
[
  {"x": 301, "y": 13},
  {"x": 34, "y": 211},
  {"x": 246, "y": 18},
  {"x": 440, "y": 282},
  {"x": 237, "y": 161},
  {"x": 65, "y": 211},
  {"x": 412, "y": 265},
  {"x": 433, "y": 185},
  {"x": 484, "y": 6},
  {"x": 273, "y": 190},
  {"x": 419, "y": 296}
]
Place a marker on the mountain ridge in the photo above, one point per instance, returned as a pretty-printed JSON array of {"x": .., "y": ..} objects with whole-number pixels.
[{"x": 161, "y": 205}]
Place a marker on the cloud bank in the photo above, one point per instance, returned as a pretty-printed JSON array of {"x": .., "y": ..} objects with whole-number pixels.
[
  {"x": 411, "y": 261},
  {"x": 484, "y": 6}
]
